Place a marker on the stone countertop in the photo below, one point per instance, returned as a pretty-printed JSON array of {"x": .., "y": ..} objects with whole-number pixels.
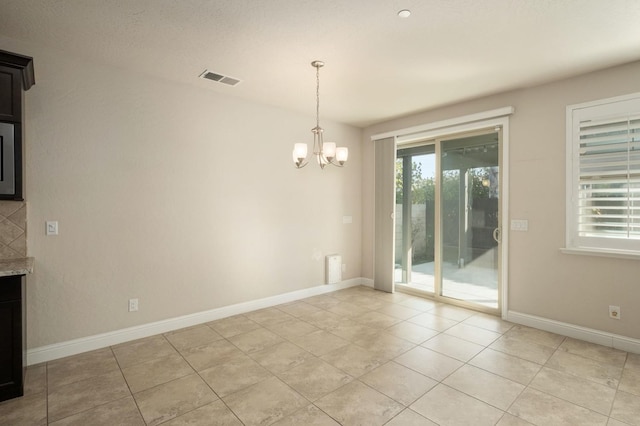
[{"x": 19, "y": 266}]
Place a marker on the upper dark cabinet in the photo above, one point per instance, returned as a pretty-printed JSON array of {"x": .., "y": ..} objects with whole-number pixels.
[
  {"x": 22, "y": 63},
  {"x": 10, "y": 94},
  {"x": 16, "y": 76}
]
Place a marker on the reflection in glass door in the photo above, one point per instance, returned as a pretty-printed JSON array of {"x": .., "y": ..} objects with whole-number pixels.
[
  {"x": 470, "y": 219},
  {"x": 415, "y": 217},
  {"x": 447, "y": 218}
]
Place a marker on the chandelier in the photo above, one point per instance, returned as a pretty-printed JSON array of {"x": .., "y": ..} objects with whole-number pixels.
[{"x": 325, "y": 152}]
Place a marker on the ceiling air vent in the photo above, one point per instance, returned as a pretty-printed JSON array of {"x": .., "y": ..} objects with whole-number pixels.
[{"x": 230, "y": 81}]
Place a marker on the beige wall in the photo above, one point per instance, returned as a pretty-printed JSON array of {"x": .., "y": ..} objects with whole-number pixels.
[
  {"x": 542, "y": 281},
  {"x": 184, "y": 198}
]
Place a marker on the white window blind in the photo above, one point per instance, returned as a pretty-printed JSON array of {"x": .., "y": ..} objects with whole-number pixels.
[
  {"x": 609, "y": 192},
  {"x": 604, "y": 143}
]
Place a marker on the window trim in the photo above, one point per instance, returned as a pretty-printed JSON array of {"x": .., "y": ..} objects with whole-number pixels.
[{"x": 621, "y": 248}]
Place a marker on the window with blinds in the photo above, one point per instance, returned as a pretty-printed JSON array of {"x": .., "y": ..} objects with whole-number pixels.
[{"x": 603, "y": 147}]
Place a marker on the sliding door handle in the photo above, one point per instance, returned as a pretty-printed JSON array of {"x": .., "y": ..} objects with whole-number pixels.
[{"x": 497, "y": 235}]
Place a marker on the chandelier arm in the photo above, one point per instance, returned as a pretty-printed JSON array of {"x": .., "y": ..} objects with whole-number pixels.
[{"x": 321, "y": 161}]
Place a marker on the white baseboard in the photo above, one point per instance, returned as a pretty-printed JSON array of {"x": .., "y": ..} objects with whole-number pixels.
[
  {"x": 616, "y": 341},
  {"x": 98, "y": 341}
]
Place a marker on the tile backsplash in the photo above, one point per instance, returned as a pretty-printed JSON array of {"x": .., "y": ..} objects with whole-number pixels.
[{"x": 13, "y": 229}]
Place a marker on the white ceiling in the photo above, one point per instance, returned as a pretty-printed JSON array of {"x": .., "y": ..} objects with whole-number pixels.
[{"x": 378, "y": 66}]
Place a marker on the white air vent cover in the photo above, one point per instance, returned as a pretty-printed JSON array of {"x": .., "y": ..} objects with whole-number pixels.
[
  {"x": 333, "y": 268},
  {"x": 229, "y": 81}
]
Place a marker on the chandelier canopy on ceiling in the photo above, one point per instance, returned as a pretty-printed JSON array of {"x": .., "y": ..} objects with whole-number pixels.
[{"x": 325, "y": 152}]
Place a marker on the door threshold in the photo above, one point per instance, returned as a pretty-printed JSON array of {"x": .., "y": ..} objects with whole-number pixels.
[{"x": 407, "y": 289}]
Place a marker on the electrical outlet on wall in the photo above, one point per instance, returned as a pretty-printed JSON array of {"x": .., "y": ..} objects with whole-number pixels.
[
  {"x": 133, "y": 305},
  {"x": 614, "y": 312}
]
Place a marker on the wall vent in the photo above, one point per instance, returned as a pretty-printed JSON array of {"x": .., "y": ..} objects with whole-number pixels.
[
  {"x": 224, "y": 79},
  {"x": 333, "y": 268}
]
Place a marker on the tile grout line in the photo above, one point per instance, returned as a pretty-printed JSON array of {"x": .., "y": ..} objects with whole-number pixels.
[
  {"x": 624, "y": 365},
  {"x": 571, "y": 374},
  {"x": 194, "y": 370},
  {"x": 588, "y": 379}
]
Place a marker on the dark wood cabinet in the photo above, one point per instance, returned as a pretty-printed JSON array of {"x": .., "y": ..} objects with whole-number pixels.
[
  {"x": 10, "y": 94},
  {"x": 16, "y": 76},
  {"x": 12, "y": 336}
]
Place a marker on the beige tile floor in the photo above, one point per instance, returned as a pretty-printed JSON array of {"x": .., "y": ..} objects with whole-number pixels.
[{"x": 352, "y": 357}]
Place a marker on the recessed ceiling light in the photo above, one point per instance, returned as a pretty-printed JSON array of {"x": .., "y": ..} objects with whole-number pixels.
[{"x": 404, "y": 13}]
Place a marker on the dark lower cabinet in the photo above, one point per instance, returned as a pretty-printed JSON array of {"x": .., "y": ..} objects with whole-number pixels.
[{"x": 12, "y": 336}]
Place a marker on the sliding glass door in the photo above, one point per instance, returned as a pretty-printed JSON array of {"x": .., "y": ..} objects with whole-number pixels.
[
  {"x": 470, "y": 219},
  {"x": 415, "y": 216},
  {"x": 448, "y": 218}
]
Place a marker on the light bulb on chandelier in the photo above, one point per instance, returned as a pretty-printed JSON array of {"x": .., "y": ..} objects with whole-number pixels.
[{"x": 325, "y": 152}]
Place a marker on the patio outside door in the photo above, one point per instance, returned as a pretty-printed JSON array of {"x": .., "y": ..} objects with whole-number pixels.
[{"x": 448, "y": 219}]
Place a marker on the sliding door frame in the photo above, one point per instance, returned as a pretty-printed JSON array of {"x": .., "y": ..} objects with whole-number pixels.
[{"x": 453, "y": 127}]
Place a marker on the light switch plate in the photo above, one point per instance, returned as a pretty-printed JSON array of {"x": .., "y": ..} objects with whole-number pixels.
[
  {"x": 51, "y": 228},
  {"x": 519, "y": 225}
]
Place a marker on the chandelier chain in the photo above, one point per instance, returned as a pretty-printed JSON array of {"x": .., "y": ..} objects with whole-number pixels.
[{"x": 318, "y": 96}]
